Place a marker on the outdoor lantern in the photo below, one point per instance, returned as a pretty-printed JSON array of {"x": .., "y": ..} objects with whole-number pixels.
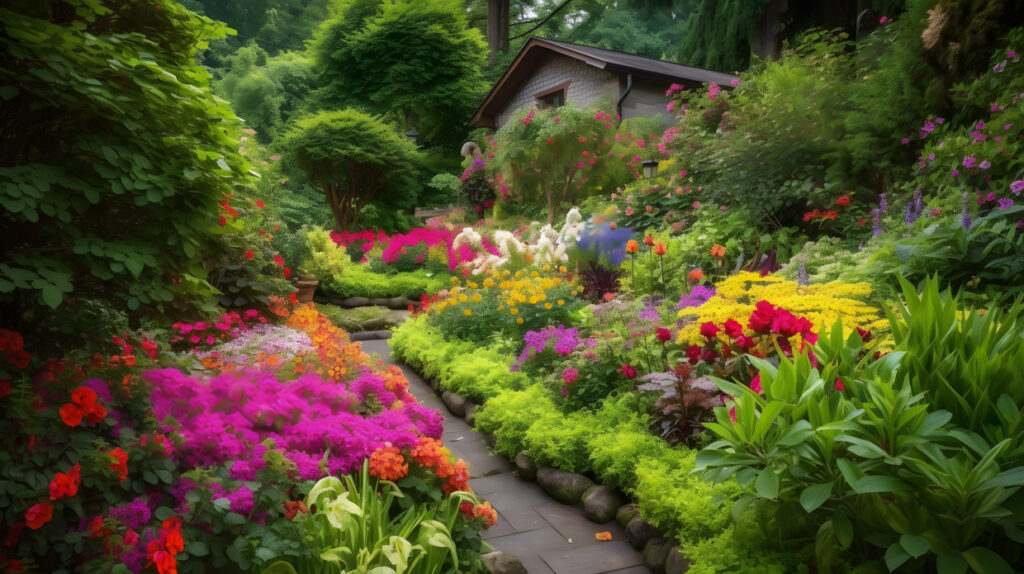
[
  {"x": 412, "y": 135},
  {"x": 650, "y": 168}
]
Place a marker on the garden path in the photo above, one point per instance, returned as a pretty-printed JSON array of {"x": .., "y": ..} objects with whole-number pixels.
[{"x": 547, "y": 536}]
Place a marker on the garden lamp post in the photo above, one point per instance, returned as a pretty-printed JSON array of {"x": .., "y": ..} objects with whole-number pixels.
[{"x": 650, "y": 168}]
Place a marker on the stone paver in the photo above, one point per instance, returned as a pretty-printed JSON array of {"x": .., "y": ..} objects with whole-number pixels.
[{"x": 546, "y": 536}]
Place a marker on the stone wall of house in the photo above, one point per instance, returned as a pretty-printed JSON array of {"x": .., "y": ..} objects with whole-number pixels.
[
  {"x": 588, "y": 85},
  {"x": 647, "y": 99}
]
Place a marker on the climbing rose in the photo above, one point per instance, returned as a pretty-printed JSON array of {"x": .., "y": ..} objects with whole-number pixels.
[{"x": 66, "y": 484}]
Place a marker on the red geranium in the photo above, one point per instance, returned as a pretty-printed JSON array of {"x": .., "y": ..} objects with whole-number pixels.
[
  {"x": 120, "y": 463},
  {"x": 66, "y": 484},
  {"x": 83, "y": 404},
  {"x": 843, "y": 200},
  {"x": 38, "y": 515}
]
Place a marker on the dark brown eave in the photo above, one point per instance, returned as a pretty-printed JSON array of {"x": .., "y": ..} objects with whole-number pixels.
[{"x": 535, "y": 49}]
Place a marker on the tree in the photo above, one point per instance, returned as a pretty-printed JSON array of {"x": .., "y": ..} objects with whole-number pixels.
[
  {"x": 114, "y": 154},
  {"x": 418, "y": 59},
  {"x": 354, "y": 157}
]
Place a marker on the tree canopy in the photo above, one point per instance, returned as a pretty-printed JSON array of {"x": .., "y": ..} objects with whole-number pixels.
[
  {"x": 418, "y": 59},
  {"x": 355, "y": 158}
]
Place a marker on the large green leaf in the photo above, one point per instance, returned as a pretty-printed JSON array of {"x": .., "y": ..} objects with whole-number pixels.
[{"x": 815, "y": 495}]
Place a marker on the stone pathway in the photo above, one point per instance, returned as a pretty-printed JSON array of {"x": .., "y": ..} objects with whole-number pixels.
[{"x": 547, "y": 536}]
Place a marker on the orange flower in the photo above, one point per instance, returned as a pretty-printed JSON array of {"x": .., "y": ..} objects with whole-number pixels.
[
  {"x": 632, "y": 246},
  {"x": 387, "y": 463},
  {"x": 165, "y": 563},
  {"x": 648, "y": 240},
  {"x": 660, "y": 248},
  {"x": 717, "y": 251},
  {"x": 695, "y": 275},
  {"x": 603, "y": 536},
  {"x": 459, "y": 479},
  {"x": 487, "y": 512}
]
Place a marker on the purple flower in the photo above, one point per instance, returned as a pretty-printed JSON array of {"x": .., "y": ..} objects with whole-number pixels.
[
  {"x": 1005, "y": 203},
  {"x": 969, "y": 161},
  {"x": 1017, "y": 187},
  {"x": 954, "y": 173},
  {"x": 965, "y": 214},
  {"x": 134, "y": 515},
  {"x": 876, "y": 225},
  {"x": 697, "y": 297},
  {"x": 985, "y": 165},
  {"x": 883, "y": 205}
]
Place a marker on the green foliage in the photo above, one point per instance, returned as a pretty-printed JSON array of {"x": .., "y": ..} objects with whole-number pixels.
[
  {"x": 652, "y": 29},
  {"x": 351, "y": 320},
  {"x": 359, "y": 526},
  {"x": 276, "y": 25},
  {"x": 142, "y": 142},
  {"x": 267, "y": 92},
  {"x": 417, "y": 59},
  {"x": 866, "y": 450},
  {"x": 719, "y": 32},
  {"x": 966, "y": 362},
  {"x": 616, "y": 452},
  {"x": 355, "y": 158},
  {"x": 510, "y": 414},
  {"x": 561, "y": 441},
  {"x": 767, "y": 138},
  {"x": 729, "y": 552},
  {"x": 446, "y": 189},
  {"x": 361, "y": 282},
  {"x": 326, "y": 259}
]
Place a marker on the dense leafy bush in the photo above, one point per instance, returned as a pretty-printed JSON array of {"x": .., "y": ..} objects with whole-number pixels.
[{"x": 88, "y": 144}]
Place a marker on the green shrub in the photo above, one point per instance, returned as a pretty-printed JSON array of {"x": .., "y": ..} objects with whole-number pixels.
[
  {"x": 510, "y": 414},
  {"x": 678, "y": 502},
  {"x": 482, "y": 373},
  {"x": 351, "y": 320},
  {"x": 560, "y": 440},
  {"x": 727, "y": 553},
  {"x": 615, "y": 453},
  {"x": 358, "y": 281}
]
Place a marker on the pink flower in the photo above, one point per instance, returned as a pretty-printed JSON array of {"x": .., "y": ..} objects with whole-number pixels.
[
  {"x": 969, "y": 161},
  {"x": 628, "y": 371},
  {"x": 883, "y": 20},
  {"x": 671, "y": 106},
  {"x": 905, "y": 141},
  {"x": 734, "y": 82},
  {"x": 569, "y": 375},
  {"x": 755, "y": 384},
  {"x": 839, "y": 385}
]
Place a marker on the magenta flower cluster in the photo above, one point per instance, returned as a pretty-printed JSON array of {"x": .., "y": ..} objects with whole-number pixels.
[
  {"x": 564, "y": 341},
  {"x": 226, "y": 417}
]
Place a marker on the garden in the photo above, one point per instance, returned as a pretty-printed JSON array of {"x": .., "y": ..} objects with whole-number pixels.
[{"x": 787, "y": 325}]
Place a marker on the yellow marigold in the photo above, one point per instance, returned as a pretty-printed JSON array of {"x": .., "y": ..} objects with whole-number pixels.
[
  {"x": 476, "y": 298},
  {"x": 514, "y": 311},
  {"x": 519, "y": 320},
  {"x": 547, "y": 305},
  {"x": 387, "y": 463},
  {"x": 467, "y": 312},
  {"x": 488, "y": 282}
]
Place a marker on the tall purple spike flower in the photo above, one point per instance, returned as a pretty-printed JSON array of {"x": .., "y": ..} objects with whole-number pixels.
[
  {"x": 965, "y": 213},
  {"x": 883, "y": 205},
  {"x": 876, "y": 225},
  {"x": 914, "y": 208}
]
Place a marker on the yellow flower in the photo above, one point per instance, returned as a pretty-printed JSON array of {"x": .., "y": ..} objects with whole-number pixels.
[
  {"x": 547, "y": 305},
  {"x": 463, "y": 298},
  {"x": 561, "y": 268},
  {"x": 519, "y": 320},
  {"x": 476, "y": 298},
  {"x": 514, "y": 311},
  {"x": 546, "y": 268},
  {"x": 488, "y": 282},
  {"x": 534, "y": 274},
  {"x": 561, "y": 302},
  {"x": 467, "y": 312}
]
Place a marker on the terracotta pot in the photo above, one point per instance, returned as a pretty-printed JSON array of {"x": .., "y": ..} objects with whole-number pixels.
[{"x": 306, "y": 290}]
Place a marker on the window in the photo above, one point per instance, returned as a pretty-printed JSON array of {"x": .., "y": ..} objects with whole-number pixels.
[{"x": 552, "y": 98}]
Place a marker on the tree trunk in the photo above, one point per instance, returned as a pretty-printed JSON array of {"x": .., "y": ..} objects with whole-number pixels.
[{"x": 497, "y": 28}]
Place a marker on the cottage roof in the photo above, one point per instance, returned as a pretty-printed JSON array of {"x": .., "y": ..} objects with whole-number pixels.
[{"x": 536, "y": 49}]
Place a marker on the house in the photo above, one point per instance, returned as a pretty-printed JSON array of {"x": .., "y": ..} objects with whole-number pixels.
[{"x": 547, "y": 73}]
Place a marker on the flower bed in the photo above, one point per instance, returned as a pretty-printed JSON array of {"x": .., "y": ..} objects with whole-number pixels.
[{"x": 154, "y": 461}]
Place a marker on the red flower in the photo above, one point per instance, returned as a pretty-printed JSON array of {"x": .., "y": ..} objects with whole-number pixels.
[
  {"x": 632, "y": 246},
  {"x": 663, "y": 334},
  {"x": 287, "y": 272},
  {"x": 717, "y": 250},
  {"x": 71, "y": 414},
  {"x": 648, "y": 240},
  {"x": 278, "y": 259},
  {"x": 249, "y": 254},
  {"x": 659, "y": 249},
  {"x": 709, "y": 329},
  {"x": 762, "y": 317},
  {"x": 628, "y": 371},
  {"x": 131, "y": 538},
  {"x": 66, "y": 484},
  {"x": 83, "y": 396},
  {"x": 165, "y": 563},
  {"x": 861, "y": 222},
  {"x": 259, "y": 203},
  {"x": 38, "y": 515},
  {"x": 839, "y": 385},
  {"x": 695, "y": 275},
  {"x": 865, "y": 335},
  {"x": 733, "y": 328},
  {"x": 693, "y": 353},
  {"x": 223, "y": 221},
  {"x": 293, "y": 298},
  {"x": 843, "y": 200},
  {"x": 120, "y": 463},
  {"x": 744, "y": 341}
]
